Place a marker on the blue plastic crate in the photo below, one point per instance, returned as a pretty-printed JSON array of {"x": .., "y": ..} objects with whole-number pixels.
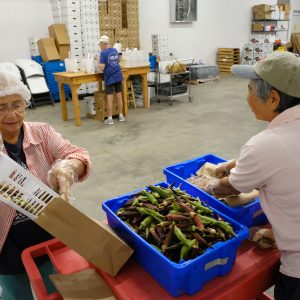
[
  {"x": 249, "y": 215},
  {"x": 37, "y": 59},
  {"x": 185, "y": 277},
  {"x": 52, "y": 67}
]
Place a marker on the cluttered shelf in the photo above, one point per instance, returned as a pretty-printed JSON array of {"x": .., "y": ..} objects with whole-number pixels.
[
  {"x": 271, "y": 31},
  {"x": 271, "y": 20}
]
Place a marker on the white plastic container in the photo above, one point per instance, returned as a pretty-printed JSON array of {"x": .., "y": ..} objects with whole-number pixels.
[{"x": 90, "y": 105}]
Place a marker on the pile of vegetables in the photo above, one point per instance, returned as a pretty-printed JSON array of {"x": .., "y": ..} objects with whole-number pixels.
[
  {"x": 10, "y": 193},
  {"x": 176, "y": 224}
]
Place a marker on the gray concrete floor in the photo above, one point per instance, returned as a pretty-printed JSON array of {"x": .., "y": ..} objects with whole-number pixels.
[{"x": 131, "y": 155}]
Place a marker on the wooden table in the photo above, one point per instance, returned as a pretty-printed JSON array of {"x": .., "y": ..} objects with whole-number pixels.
[
  {"x": 74, "y": 80},
  {"x": 142, "y": 71}
]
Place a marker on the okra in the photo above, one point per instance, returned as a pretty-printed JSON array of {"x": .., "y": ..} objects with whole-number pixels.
[
  {"x": 226, "y": 227},
  {"x": 151, "y": 198},
  {"x": 146, "y": 211},
  {"x": 155, "y": 235},
  {"x": 147, "y": 221},
  {"x": 162, "y": 192},
  {"x": 168, "y": 238}
]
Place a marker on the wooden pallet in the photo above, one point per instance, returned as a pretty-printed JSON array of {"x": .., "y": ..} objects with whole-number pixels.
[
  {"x": 201, "y": 81},
  {"x": 226, "y": 57},
  {"x": 225, "y": 68},
  {"x": 229, "y": 50},
  {"x": 228, "y": 62}
]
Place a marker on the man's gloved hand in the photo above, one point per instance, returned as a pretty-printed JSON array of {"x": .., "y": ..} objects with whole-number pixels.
[
  {"x": 223, "y": 169},
  {"x": 265, "y": 238},
  {"x": 62, "y": 175}
]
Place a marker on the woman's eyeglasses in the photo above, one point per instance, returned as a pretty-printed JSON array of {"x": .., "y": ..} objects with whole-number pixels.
[{"x": 16, "y": 107}]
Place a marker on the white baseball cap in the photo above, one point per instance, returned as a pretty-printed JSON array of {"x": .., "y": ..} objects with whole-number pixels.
[
  {"x": 280, "y": 69},
  {"x": 104, "y": 39},
  {"x": 10, "y": 85}
]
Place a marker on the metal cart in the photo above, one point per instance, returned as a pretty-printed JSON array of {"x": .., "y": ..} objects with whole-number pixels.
[{"x": 178, "y": 86}]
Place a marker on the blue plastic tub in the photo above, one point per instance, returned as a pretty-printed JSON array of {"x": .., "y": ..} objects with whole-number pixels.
[
  {"x": 178, "y": 278},
  {"x": 249, "y": 215}
]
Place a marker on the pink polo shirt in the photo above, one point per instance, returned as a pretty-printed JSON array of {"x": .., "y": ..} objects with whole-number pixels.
[{"x": 270, "y": 162}]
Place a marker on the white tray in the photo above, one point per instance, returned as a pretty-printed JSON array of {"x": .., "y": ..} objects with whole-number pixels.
[{"x": 21, "y": 190}]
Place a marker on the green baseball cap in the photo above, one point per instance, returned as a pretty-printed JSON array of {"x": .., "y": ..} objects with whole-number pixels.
[{"x": 280, "y": 69}]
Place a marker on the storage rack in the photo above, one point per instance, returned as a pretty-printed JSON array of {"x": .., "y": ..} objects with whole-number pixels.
[
  {"x": 270, "y": 22},
  {"x": 178, "y": 86},
  {"x": 227, "y": 57}
]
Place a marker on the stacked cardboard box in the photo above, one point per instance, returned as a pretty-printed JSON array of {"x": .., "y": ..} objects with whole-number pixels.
[
  {"x": 82, "y": 21},
  {"x": 257, "y": 27},
  {"x": 133, "y": 23},
  {"x": 62, "y": 41},
  {"x": 119, "y": 19},
  {"x": 227, "y": 57},
  {"x": 271, "y": 12},
  {"x": 47, "y": 49},
  {"x": 68, "y": 12},
  {"x": 101, "y": 107},
  {"x": 121, "y": 36},
  {"x": 89, "y": 20}
]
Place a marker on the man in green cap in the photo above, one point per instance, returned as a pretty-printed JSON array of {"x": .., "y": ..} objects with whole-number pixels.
[{"x": 270, "y": 161}]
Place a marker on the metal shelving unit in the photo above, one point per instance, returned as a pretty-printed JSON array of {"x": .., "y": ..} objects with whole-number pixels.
[
  {"x": 171, "y": 90},
  {"x": 274, "y": 21}
]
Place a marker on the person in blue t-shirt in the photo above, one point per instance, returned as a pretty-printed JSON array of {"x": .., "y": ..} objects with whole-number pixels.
[{"x": 109, "y": 64}]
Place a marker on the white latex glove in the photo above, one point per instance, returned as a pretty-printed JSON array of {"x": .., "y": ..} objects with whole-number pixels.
[
  {"x": 265, "y": 238},
  {"x": 1, "y": 143},
  {"x": 223, "y": 169},
  {"x": 62, "y": 175}
]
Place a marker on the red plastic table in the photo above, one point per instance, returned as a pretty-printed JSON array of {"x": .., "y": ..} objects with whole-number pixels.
[{"x": 254, "y": 272}]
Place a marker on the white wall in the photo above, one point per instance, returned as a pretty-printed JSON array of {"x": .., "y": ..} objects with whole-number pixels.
[
  {"x": 220, "y": 24},
  {"x": 20, "y": 19},
  {"x": 295, "y": 4}
]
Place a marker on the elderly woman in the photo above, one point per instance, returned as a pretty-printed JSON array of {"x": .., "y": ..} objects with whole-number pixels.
[
  {"x": 48, "y": 156},
  {"x": 270, "y": 160}
]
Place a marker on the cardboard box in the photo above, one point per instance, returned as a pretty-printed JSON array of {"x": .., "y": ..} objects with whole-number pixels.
[
  {"x": 63, "y": 51},
  {"x": 257, "y": 27},
  {"x": 48, "y": 50},
  {"x": 59, "y": 33},
  {"x": 123, "y": 39},
  {"x": 101, "y": 107},
  {"x": 109, "y": 32},
  {"x": 261, "y": 8}
]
